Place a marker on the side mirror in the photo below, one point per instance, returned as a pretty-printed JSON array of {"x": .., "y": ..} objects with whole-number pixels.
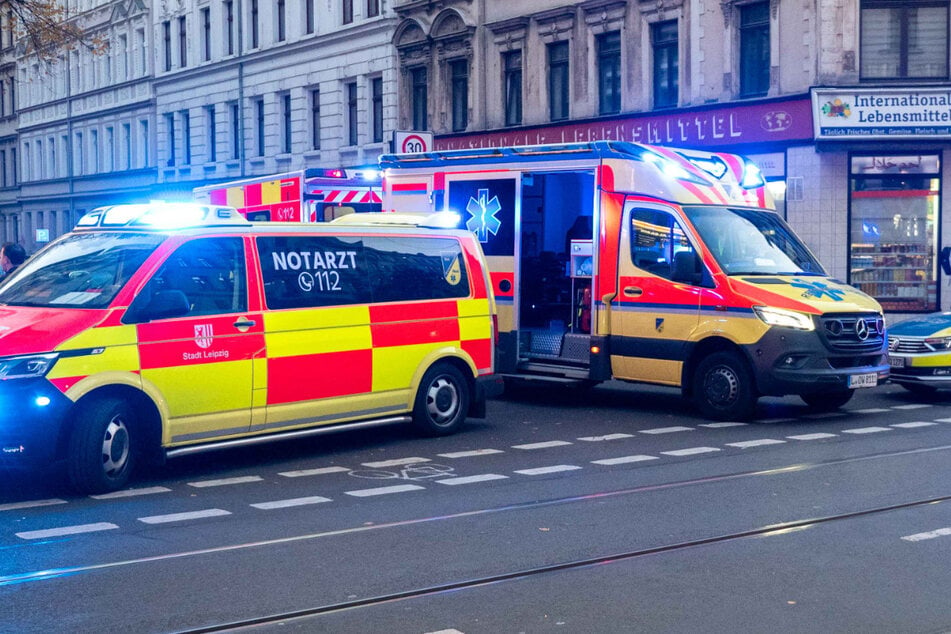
[
  {"x": 687, "y": 268},
  {"x": 161, "y": 305},
  {"x": 945, "y": 260}
]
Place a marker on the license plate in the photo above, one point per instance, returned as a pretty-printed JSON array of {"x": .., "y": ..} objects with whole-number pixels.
[
  {"x": 863, "y": 380},
  {"x": 896, "y": 362}
]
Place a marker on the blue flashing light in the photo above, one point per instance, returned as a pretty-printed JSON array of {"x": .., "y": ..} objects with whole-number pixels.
[
  {"x": 752, "y": 176},
  {"x": 42, "y": 401}
]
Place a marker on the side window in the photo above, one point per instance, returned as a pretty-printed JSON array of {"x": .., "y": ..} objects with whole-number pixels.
[
  {"x": 409, "y": 269},
  {"x": 310, "y": 271},
  {"x": 660, "y": 246},
  {"x": 211, "y": 274}
]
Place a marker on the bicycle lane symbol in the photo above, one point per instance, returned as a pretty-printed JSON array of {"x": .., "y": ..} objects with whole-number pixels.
[{"x": 417, "y": 471}]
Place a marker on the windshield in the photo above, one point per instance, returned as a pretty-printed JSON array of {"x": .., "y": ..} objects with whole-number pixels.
[
  {"x": 752, "y": 242},
  {"x": 84, "y": 270}
]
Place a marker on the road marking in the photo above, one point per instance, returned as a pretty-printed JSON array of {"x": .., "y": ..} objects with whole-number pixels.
[
  {"x": 870, "y": 410},
  {"x": 13, "y": 506},
  {"x": 811, "y": 436},
  {"x": 449, "y": 631},
  {"x": 719, "y": 425},
  {"x": 201, "y": 484},
  {"x": 485, "y": 477},
  {"x": 665, "y": 430},
  {"x": 544, "y": 470},
  {"x": 399, "y": 488},
  {"x": 770, "y": 421},
  {"x": 912, "y": 406},
  {"x": 917, "y": 423},
  {"x": 283, "y": 504},
  {"x": 67, "y": 530},
  {"x": 542, "y": 445},
  {"x": 824, "y": 415},
  {"x": 623, "y": 460},
  {"x": 394, "y": 463},
  {"x": 942, "y": 420},
  {"x": 470, "y": 454},
  {"x": 607, "y": 437},
  {"x": 865, "y": 430},
  {"x": 181, "y": 517},
  {"x": 690, "y": 452},
  {"x": 130, "y": 493},
  {"x": 312, "y": 472},
  {"x": 919, "y": 537},
  {"x": 755, "y": 443}
]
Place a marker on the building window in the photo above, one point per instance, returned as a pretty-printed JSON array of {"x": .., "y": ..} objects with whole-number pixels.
[
  {"x": 351, "y": 90},
  {"x": 309, "y": 16},
  {"x": 754, "y": 49},
  {"x": 259, "y": 125},
  {"x": 143, "y": 142},
  {"x": 376, "y": 94},
  {"x": 212, "y": 129},
  {"x": 167, "y": 42},
  {"x": 558, "y": 81},
  {"x": 170, "y": 129},
  {"x": 255, "y": 40},
  {"x": 79, "y": 152},
  {"x": 904, "y": 40},
  {"x": 126, "y": 141},
  {"x": 459, "y": 81},
  {"x": 110, "y": 153},
  {"x": 235, "y": 131},
  {"x": 419, "y": 99},
  {"x": 143, "y": 51},
  {"x": 95, "y": 162},
  {"x": 512, "y": 78},
  {"x": 182, "y": 43},
  {"x": 373, "y": 8},
  {"x": 893, "y": 224},
  {"x": 609, "y": 73},
  {"x": 122, "y": 58},
  {"x": 315, "y": 119},
  {"x": 186, "y": 136},
  {"x": 206, "y": 34},
  {"x": 347, "y": 11},
  {"x": 229, "y": 25},
  {"x": 286, "y": 123},
  {"x": 281, "y": 20},
  {"x": 666, "y": 64}
]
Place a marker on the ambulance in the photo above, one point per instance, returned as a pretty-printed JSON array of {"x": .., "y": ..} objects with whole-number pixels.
[
  {"x": 159, "y": 330},
  {"x": 310, "y": 195},
  {"x": 615, "y": 260}
]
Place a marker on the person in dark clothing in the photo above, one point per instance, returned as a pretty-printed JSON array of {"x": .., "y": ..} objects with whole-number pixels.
[{"x": 12, "y": 255}]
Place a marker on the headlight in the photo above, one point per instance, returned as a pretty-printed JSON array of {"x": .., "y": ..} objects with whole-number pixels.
[
  {"x": 784, "y": 318},
  {"x": 938, "y": 343},
  {"x": 34, "y": 365}
]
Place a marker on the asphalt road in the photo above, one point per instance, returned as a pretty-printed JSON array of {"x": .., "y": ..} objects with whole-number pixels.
[{"x": 612, "y": 510}]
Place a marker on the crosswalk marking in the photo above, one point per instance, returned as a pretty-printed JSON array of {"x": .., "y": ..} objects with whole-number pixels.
[
  {"x": 545, "y": 470},
  {"x": 399, "y": 488},
  {"x": 755, "y": 443},
  {"x": 485, "y": 477},
  {"x": 865, "y": 430},
  {"x": 912, "y": 425},
  {"x": 691, "y": 451},
  {"x": 14, "y": 506},
  {"x": 303, "y": 473},
  {"x": 606, "y": 437},
  {"x": 816, "y": 436},
  {"x": 67, "y": 530},
  {"x": 130, "y": 493},
  {"x": 182, "y": 517},
  {"x": 283, "y": 504},
  {"x": 665, "y": 430},
  {"x": 624, "y": 460},
  {"x": 399, "y": 462},
  {"x": 470, "y": 454},
  {"x": 201, "y": 484},
  {"x": 542, "y": 445}
]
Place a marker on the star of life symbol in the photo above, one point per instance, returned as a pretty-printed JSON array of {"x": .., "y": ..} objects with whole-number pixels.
[
  {"x": 204, "y": 335},
  {"x": 483, "y": 212},
  {"x": 818, "y": 290}
]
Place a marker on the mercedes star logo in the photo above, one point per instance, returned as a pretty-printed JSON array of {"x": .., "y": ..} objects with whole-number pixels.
[{"x": 861, "y": 329}]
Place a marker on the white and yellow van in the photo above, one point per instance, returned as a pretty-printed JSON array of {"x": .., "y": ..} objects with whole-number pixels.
[{"x": 158, "y": 330}]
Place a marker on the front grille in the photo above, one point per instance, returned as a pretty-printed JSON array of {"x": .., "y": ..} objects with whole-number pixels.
[
  {"x": 844, "y": 363},
  {"x": 854, "y": 332},
  {"x": 908, "y": 345}
]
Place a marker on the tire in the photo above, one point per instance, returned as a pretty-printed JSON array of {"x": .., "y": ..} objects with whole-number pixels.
[
  {"x": 723, "y": 387},
  {"x": 101, "y": 453},
  {"x": 442, "y": 400},
  {"x": 827, "y": 401},
  {"x": 919, "y": 389}
]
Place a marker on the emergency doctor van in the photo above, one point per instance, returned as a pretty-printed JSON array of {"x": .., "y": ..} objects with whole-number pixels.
[
  {"x": 153, "y": 331},
  {"x": 650, "y": 264}
]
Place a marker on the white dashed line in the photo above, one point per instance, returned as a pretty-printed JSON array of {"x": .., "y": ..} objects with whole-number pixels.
[
  {"x": 399, "y": 462},
  {"x": 623, "y": 460},
  {"x": 544, "y": 470},
  {"x": 67, "y": 530},
  {"x": 811, "y": 436},
  {"x": 870, "y": 410},
  {"x": 912, "y": 406},
  {"x": 665, "y": 430},
  {"x": 13, "y": 506},
  {"x": 942, "y": 420},
  {"x": 719, "y": 425},
  {"x": 202, "y": 484},
  {"x": 607, "y": 437},
  {"x": 129, "y": 493},
  {"x": 182, "y": 517},
  {"x": 756, "y": 443},
  {"x": 470, "y": 454},
  {"x": 865, "y": 430},
  {"x": 920, "y": 537},
  {"x": 449, "y": 631},
  {"x": 917, "y": 423},
  {"x": 542, "y": 445},
  {"x": 692, "y": 451},
  {"x": 399, "y": 488},
  {"x": 303, "y": 473},
  {"x": 283, "y": 504},
  {"x": 485, "y": 477}
]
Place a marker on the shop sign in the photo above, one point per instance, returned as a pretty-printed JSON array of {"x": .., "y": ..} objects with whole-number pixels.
[
  {"x": 769, "y": 122},
  {"x": 881, "y": 113}
]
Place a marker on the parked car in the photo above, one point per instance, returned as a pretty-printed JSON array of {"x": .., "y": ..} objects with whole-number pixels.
[{"x": 919, "y": 353}]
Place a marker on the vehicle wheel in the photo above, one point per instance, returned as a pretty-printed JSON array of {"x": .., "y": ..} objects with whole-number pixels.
[
  {"x": 100, "y": 448},
  {"x": 827, "y": 401},
  {"x": 920, "y": 390},
  {"x": 723, "y": 387},
  {"x": 442, "y": 400}
]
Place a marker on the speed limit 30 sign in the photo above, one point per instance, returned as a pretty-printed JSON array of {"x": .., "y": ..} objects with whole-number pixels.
[{"x": 412, "y": 142}]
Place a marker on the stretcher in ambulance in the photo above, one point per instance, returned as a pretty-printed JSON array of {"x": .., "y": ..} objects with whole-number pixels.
[
  {"x": 154, "y": 331},
  {"x": 649, "y": 264}
]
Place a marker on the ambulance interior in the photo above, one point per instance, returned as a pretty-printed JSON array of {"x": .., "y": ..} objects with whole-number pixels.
[{"x": 556, "y": 266}]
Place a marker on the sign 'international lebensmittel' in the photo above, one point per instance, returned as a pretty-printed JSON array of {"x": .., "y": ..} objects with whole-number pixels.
[{"x": 907, "y": 112}]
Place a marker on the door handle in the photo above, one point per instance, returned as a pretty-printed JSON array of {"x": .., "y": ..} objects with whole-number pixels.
[
  {"x": 244, "y": 324},
  {"x": 633, "y": 291}
]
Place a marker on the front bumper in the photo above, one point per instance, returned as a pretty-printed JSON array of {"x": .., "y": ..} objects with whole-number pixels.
[
  {"x": 32, "y": 413},
  {"x": 787, "y": 361},
  {"x": 932, "y": 369}
]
